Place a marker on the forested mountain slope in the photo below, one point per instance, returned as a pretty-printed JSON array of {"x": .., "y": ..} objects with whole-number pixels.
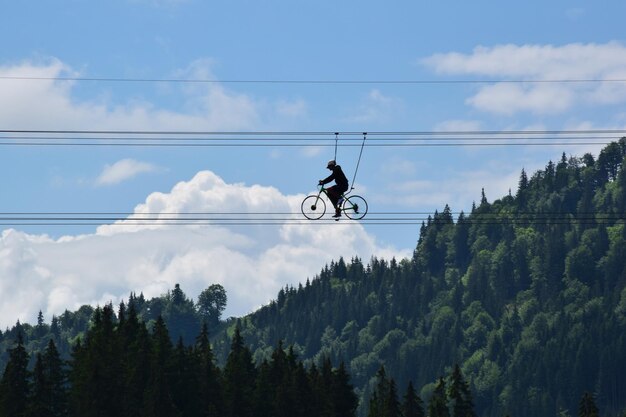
[{"x": 527, "y": 294}]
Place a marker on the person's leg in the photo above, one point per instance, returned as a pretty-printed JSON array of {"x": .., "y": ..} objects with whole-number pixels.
[
  {"x": 340, "y": 198},
  {"x": 333, "y": 194}
]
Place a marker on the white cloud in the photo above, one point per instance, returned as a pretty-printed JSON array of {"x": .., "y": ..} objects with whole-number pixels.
[
  {"x": 252, "y": 261},
  {"x": 209, "y": 108},
  {"x": 123, "y": 170},
  {"x": 512, "y": 98},
  {"x": 540, "y": 62}
]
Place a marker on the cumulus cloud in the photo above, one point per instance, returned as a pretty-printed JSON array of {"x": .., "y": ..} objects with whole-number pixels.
[
  {"x": 123, "y": 170},
  {"x": 541, "y": 63},
  {"x": 209, "y": 108},
  {"x": 252, "y": 261}
]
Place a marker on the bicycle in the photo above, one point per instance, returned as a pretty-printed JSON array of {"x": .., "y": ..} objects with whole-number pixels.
[{"x": 313, "y": 207}]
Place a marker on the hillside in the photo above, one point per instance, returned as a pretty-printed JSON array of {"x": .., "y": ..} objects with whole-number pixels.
[{"x": 527, "y": 293}]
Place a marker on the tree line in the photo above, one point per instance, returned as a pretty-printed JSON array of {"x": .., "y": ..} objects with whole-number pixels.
[
  {"x": 121, "y": 368},
  {"x": 526, "y": 293},
  {"x": 182, "y": 316}
]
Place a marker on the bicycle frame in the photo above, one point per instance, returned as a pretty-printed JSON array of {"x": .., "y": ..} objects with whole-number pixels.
[
  {"x": 324, "y": 190},
  {"x": 353, "y": 206}
]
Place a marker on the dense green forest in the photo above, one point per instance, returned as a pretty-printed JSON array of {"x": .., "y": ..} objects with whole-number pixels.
[
  {"x": 181, "y": 315},
  {"x": 526, "y": 293},
  {"x": 119, "y": 368}
]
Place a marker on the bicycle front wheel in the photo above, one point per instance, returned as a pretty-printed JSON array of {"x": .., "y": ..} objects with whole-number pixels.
[
  {"x": 313, "y": 207},
  {"x": 355, "y": 207}
]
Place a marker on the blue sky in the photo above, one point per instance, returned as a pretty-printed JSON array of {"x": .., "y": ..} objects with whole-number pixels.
[{"x": 53, "y": 267}]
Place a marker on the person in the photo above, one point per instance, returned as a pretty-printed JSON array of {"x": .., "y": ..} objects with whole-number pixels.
[{"x": 336, "y": 191}]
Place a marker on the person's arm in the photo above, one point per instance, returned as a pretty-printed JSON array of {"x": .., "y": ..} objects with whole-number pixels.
[{"x": 328, "y": 179}]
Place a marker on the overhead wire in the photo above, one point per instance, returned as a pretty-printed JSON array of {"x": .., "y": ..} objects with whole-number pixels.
[
  {"x": 312, "y": 81},
  {"x": 164, "y": 138},
  {"x": 256, "y": 139},
  {"x": 225, "y": 218}
]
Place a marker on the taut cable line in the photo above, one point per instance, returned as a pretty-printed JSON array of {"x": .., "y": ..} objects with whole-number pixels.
[
  {"x": 314, "y": 81},
  {"x": 121, "y": 219},
  {"x": 257, "y": 139}
]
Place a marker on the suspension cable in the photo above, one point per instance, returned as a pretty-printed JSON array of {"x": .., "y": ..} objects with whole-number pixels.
[{"x": 359, "y": 160}]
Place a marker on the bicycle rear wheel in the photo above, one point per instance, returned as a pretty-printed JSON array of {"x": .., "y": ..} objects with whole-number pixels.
[
  {"x": 355, "y": 207},
  {"x": 313, "y": 207}
]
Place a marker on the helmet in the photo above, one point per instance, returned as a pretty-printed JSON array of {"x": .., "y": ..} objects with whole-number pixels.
[{"x": 331, "y": 163}]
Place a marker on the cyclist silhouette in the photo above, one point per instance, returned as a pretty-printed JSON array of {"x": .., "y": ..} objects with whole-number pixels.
[{"x": 340, "y": 187}]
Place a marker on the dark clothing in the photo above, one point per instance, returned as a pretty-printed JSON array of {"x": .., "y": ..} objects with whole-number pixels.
[
  {"x": 339, "y": 177},
  {"x": 334, "y": 192},
  {"x": 340, "y": 187}
]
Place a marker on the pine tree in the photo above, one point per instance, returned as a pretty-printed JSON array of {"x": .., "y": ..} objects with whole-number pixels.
[
  {"x": 483, "y": 199},
  {"x": 14, "y": 389},
  {"x": 280, "y": 379},
  {"x": 344, "y": 399},
  {"x": 185, "y": 381},
  {"x": 135, "y": 339},
  {"x": 320, "y": 393},
  {"x": 239, "y": 377},
  {"x": 375, "y": 408},
  {"x": 412, "y": 406},
  {"x": 180, "y": 316},
  {"x": 48, "y": 397},
  {"x": 384, "y": 400},
  {"x": 264, "y": 392},
  {"x": 37, "y": 401},
  {"x": 587, "y": 406},
  {"x": 94, "y": 374},
  {"x": 304, "y": 393},
  {"x": 55, "y": 328},
  {"x": 438, "y": 404},
  {"x": 392, "y": 405},
  {"x": 209, "y": 376},
  {"x": 379, "y": 395},
  {"x": 158, "y": 400},
  {"x": 460, "y": 395},
  {"x": 55, "y": 381}
]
